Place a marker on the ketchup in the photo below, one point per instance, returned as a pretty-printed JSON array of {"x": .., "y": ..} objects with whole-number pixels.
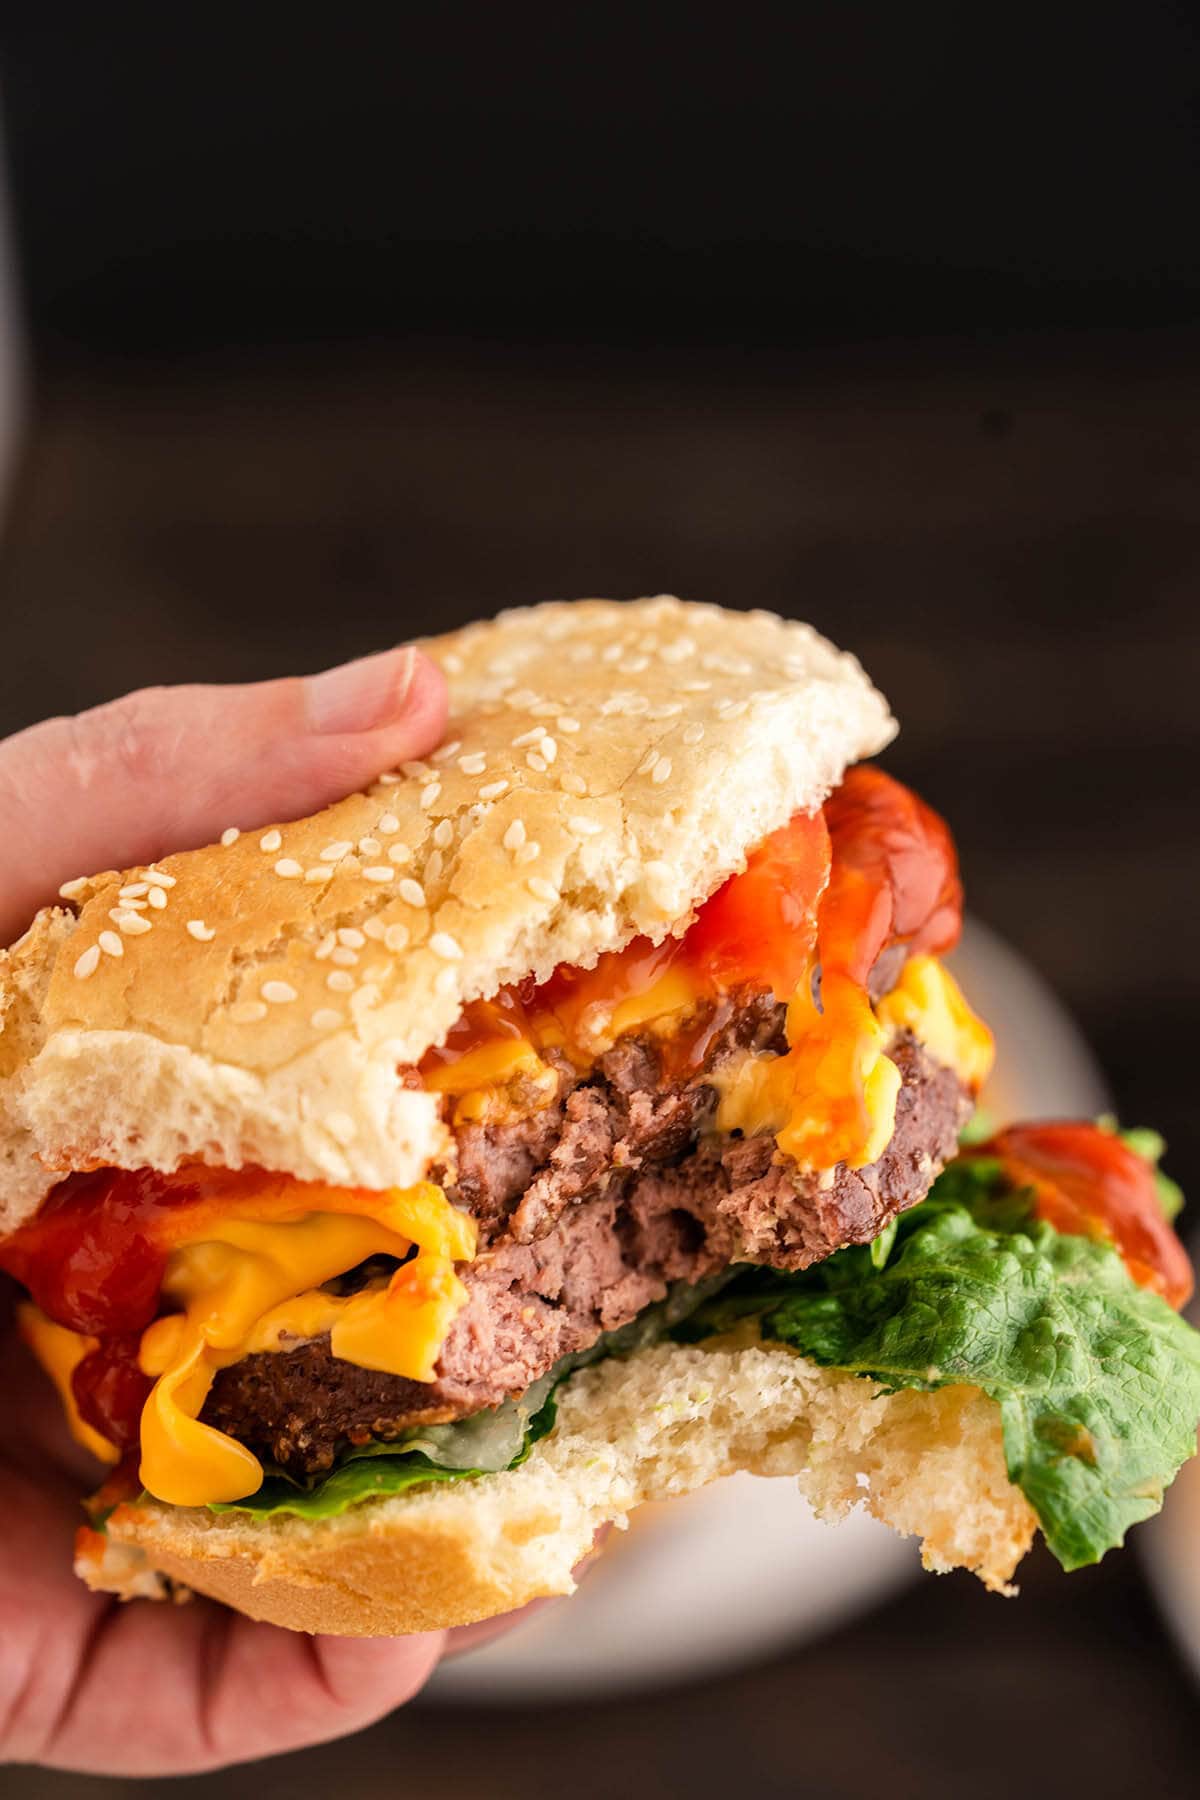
[
  {"x": 1086, "y": 1182},
  {"x": 876, "y": 867},
  {"x": 894, "y": 878}
]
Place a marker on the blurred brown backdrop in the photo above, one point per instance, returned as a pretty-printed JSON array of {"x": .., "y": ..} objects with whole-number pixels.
[{"x": 339, "y": 341}]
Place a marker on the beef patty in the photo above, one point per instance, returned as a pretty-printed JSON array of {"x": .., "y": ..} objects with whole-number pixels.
[{"x": 587, "y": 1211}]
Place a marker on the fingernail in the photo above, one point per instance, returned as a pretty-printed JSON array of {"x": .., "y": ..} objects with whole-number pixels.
[{"x": 362, "y": 695}]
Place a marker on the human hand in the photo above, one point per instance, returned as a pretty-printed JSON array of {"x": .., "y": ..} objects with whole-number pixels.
[{"x": 86, "y": 1683}]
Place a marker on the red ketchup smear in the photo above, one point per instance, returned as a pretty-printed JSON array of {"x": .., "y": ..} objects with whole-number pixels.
[
  {"x": 93, "y": 1260},
  {"x": 876, "y": 867},
  {"x": 894, "y": 878},
  {"x": 1088, "y": 1183}
]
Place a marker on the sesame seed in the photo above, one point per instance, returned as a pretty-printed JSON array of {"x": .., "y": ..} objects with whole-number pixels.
[
  {"x": 134, "y": 890},
  {"x": 341, "y": 1126},
  {"x": 570, "y": 783},
  {"x": 541, "y": 889},
  {"x": 662, "y": 771},
  {"x": 389, "y": 779},
  {"x": 326, "y": 1018},
  {"x": 528, "y": 852},
  {"x": 373, "y": 927},
  {"x": 279, "y": 993},
  {"x": 230, "y": 835},
  {"x": 452, "y": 664},
  {"x": 545, "y": 709},
  {"x": 388, "y": 823},
  {"x": 527, "y": 737},
  {"x": 270, "y": 840},
  {"x": 733, "y": 709},
  {"x": 522, "y": 699},
  {"x": 87, "y": 963},
  {"x": 474, "y": 764},
  {"x": 443, "y": 837},
  {"x": 633, "y": 665},
  {"x": 399, "y": 853},
  {"x": 71, "y": 890},
  {"x": 132, "y": 924},
  {"x": 160, "y": 877},
  {"x": 288, "y": 868},
  {"x": 202, "y": 933},
  {"x": 412, "y": 891},
  {"x": 647, "y": 763},
  {"x": 369, "y": 846},
  {"x": 343, "y": 955},
  {"x": 335, "y": 852},
  {"x": 493, "y": 790},
  {"x": 445, "y": 946},
  {"x": 445, "y": 981},
  {"x": 326, "y": 946},
  {"x": 567, "y": 724},
  {"x": 549, "y": 749},
  {"x": 396, "y": 938},
  {"x": 584, "y": 827},
  {"x": 416, "y": 769},
  {"x": 667, "y": 710},
  {"x": 247, "y": 1012},
  {"x": 157, "y": 898},
  {"x": 514, "y": 837},
  {"x": 433, "y": 867},
  {"x": 694, "y": 687},
  {"x": 127, "y": 905},
  {"x": 378, "y": 872},
  {"x": 339, "y": 981},
  {"x": 351, "y": 936},
  {"x": 318, "y": 872},
  {"x": 111, "y": 944},
  {"x": 429, "y": 795},
  {"x": 693, "y": 734},
  {"x": 536, "y": 763},
  {"x": 444, "y": 752}
]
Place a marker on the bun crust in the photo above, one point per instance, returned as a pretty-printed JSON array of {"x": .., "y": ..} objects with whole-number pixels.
[
  {"x": 662, "y": 1423},
  {"x": 607, "y": 765}
]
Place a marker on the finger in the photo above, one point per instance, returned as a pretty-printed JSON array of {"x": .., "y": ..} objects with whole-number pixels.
[
  {"x": 152, "y": 1689},
  {"x": 170, "y": 768}
]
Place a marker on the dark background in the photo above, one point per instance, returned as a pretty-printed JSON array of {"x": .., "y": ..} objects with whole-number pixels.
[{"x": 884, "y": 317}]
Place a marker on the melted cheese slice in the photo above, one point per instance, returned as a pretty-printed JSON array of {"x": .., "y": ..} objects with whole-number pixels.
[
  {"x": 832, "y": 1097},
  {"x": 60, "y": 1353},
  {"x": 249, "y": 1285},
  {"x": 929, "y": 1002}
]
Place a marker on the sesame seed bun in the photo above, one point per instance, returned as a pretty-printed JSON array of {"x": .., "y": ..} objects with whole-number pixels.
[
  {"x": 659, "y": 1424},
  {"x": 606, "y": 766}
]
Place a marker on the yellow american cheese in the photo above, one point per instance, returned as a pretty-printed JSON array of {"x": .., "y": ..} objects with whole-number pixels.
[
  {"x": 929, "y": 1002},
  {"x": 249, "y": 1285},
  {"x": 792, "y": 1096},
  {"x": 60, "y": 1352}
]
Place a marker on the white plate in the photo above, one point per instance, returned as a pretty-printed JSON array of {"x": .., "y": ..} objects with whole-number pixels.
[{"x": 742, "y": 1568}]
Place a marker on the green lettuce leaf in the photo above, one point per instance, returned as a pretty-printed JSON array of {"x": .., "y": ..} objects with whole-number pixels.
[{"x": 1097, "y": 1379}]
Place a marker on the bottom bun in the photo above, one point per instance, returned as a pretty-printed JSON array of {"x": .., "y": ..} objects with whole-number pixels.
[{"x": 664, "y": 1422}]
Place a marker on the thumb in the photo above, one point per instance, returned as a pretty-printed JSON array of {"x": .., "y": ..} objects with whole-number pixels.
[{"x": 169, "y": 768}]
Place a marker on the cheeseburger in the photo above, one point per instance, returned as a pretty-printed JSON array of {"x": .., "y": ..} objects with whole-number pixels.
[{"x": 401, "y": 1194}]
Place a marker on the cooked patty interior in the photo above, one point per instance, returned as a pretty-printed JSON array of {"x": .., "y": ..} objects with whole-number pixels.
[{"x": 588, "y": 1209}]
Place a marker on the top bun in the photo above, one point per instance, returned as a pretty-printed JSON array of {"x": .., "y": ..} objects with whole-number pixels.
[{"x": 607, "y": 765}]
